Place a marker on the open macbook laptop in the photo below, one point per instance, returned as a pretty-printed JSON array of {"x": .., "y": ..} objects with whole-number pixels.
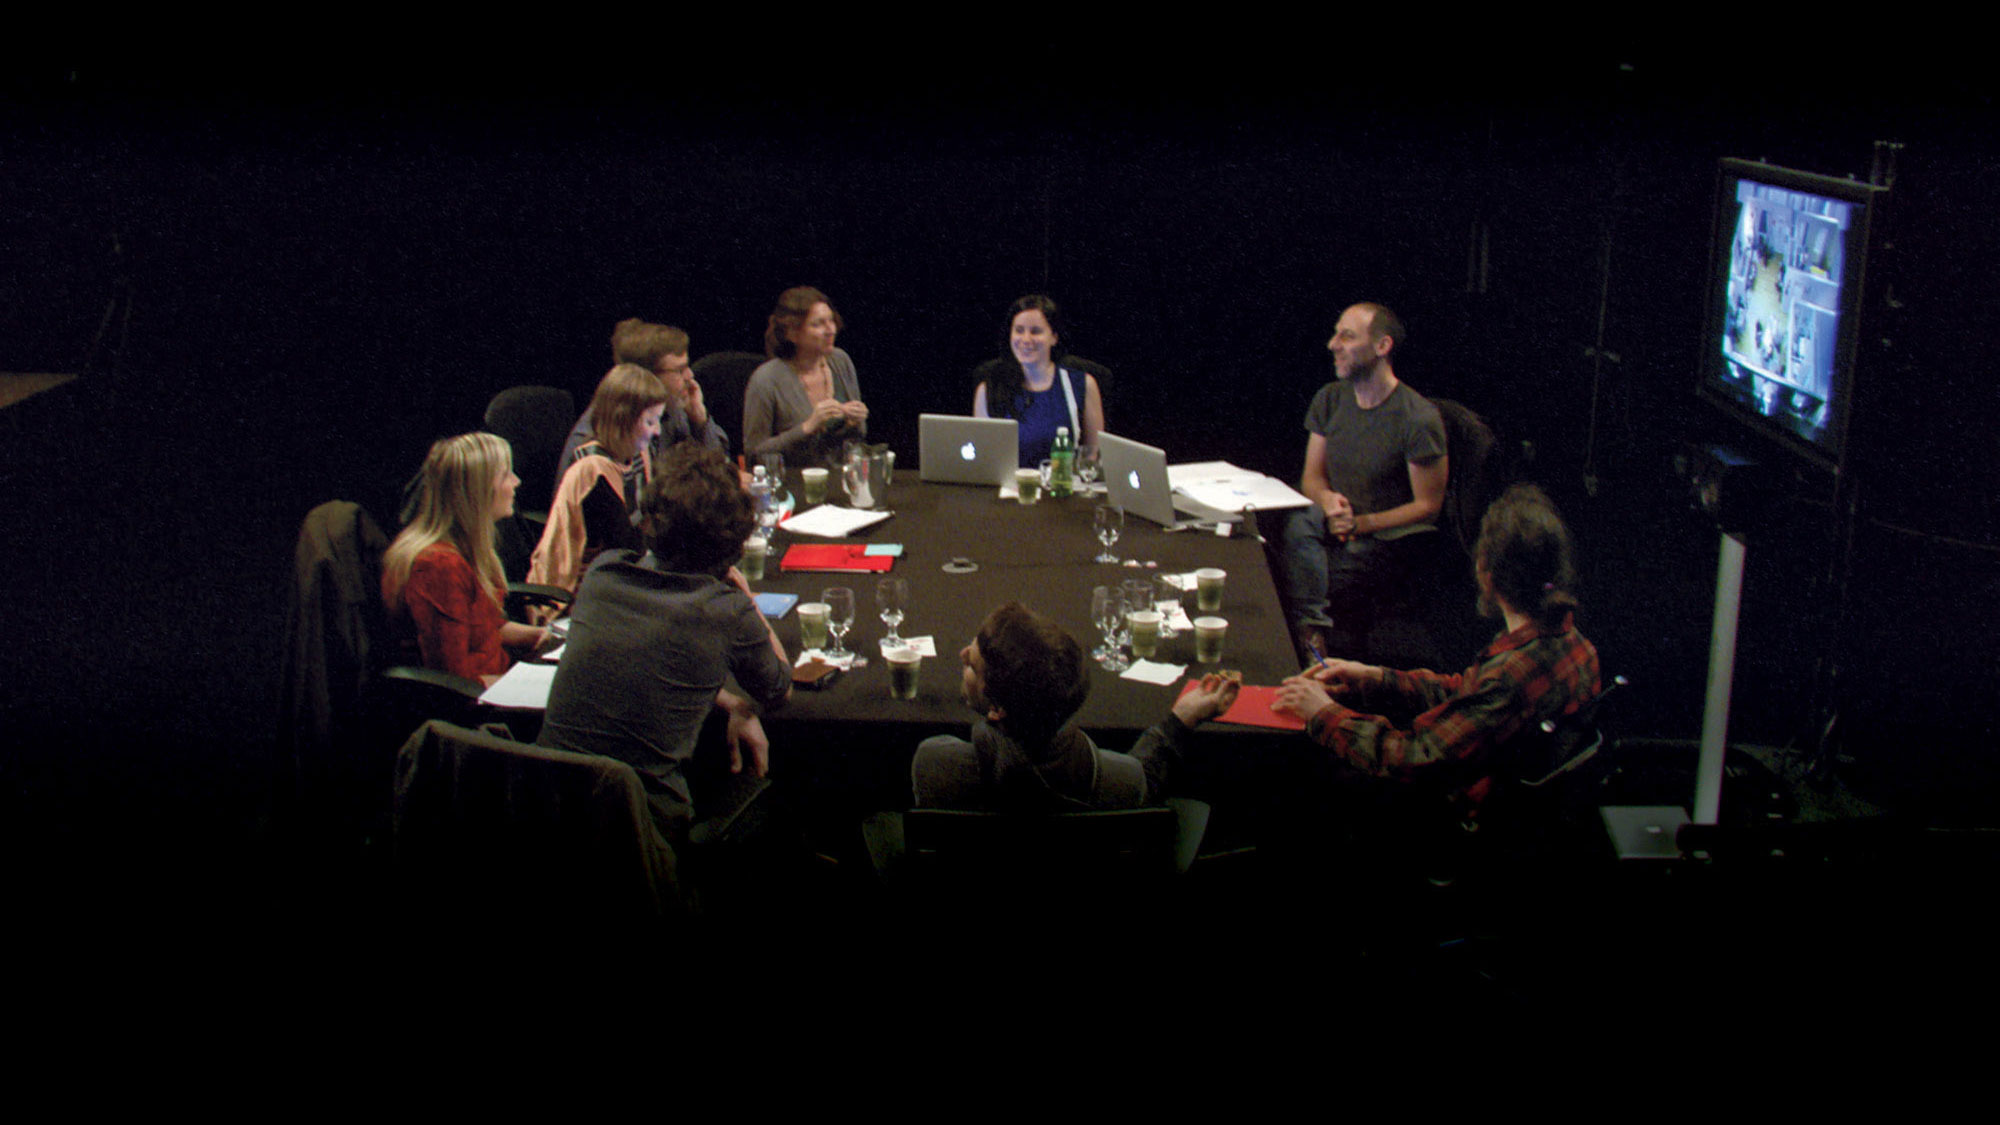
[
  {"x": 954, "y": 449},
  {"x": 1135, "y": 479}
]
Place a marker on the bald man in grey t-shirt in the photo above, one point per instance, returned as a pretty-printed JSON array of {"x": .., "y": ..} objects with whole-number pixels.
[{"x": 1375, "y": 469}]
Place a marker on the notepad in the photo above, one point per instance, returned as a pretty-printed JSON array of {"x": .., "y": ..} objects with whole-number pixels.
[
  {"x": 1253, "y": 708},
  {"x": 835, "y": 558},
  {"x": 830, "y": 521}
]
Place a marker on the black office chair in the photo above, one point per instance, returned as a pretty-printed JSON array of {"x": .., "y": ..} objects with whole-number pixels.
[
  {"x": 1009, "y": 861},
  {"x": 488, "y": 828},
  {"x": 346, "y": 703},
  {"x": 536, "y": 422},
  {"x": 723, "y": 377},
  {"x": 1428, "y": 619},
  {"x": 1076, "y": 364},
  {"x": 1540, "y": 817}
]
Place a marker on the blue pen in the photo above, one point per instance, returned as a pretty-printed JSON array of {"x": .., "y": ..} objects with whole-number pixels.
[{"x": 1319, "y": 658}]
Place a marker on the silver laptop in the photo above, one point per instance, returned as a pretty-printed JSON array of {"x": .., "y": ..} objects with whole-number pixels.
[
  {"x": 1135, "y": 479},
  {"x": 954, "y": 449}
]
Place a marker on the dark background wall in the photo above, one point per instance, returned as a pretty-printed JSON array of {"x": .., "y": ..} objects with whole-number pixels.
[{"x": 320, "y": 269}]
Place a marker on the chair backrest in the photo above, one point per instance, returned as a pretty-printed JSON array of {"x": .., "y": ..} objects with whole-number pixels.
[
  {"x": 1469, "y": 442},
  {"x": 1078, "y": 855},
  {"x": 335, "y": 626},
  {"x": 536, "y": 421},
  {"x": 1076, "y": 364},
  {"x": 724, "y": 376},
  {"x": 1090, "y": 367},
  {"x": 489, "y": 827}
]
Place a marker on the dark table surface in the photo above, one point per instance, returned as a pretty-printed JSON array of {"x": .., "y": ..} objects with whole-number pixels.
[{"x": 1040, "y": 555}]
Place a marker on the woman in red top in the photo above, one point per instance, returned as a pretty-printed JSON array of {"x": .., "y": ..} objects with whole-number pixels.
[{"x": 441, "y": 580}]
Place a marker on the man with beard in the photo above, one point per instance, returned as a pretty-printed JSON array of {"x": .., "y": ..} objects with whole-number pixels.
[
  {"x": 1375, "y": 470},
  {"x": 1453, "y": 732}
]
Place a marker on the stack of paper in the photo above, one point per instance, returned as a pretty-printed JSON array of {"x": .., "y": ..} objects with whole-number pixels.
[
  {"x": 833, "y": 522},
  {"x": 1224, "y": 487}
]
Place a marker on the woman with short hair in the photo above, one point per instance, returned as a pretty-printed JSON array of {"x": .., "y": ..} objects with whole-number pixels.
[
  {"x": 601, "y": 484},
  {"x": 805, "y": 402}
]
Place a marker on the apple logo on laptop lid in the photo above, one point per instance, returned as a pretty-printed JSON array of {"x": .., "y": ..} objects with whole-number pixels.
[
  {"x": 966, "y": 451},
  {"x": 1133, "y": 476}
]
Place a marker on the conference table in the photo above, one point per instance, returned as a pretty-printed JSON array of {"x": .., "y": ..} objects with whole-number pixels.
[{"x": 1042, "y": 556}]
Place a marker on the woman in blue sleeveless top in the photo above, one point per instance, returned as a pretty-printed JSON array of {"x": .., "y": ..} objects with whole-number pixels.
[{"x": 1027, "y": 385}]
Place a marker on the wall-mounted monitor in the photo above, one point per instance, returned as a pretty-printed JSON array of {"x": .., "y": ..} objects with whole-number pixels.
[{"x": 1785, "y": 305}]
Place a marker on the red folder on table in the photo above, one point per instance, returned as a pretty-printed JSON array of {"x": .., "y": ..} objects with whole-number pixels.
[
  {"x": 838, "y": 558},
  {"x": 1252, "y": 708}
]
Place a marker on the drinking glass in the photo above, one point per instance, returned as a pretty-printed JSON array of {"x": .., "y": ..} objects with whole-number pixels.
[
  {"x": 1138, "y": 596},
  {"x": 890, "y": 596},
  {"x": 1107, "y": 611},
  {"x": 1110, "y": 520},
  {"x": 1166, "y": 598},
  {"x": 1087, "y": 464},
  {"x": 774, "y": 467},
  {"x": 839, "y": 615}
]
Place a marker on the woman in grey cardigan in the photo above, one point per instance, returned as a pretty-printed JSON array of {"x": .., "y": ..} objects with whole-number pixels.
[{"x": 806, "y": 401}]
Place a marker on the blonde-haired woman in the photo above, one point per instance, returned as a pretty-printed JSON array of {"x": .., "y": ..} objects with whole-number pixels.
[
  {"x": 601, "y": 484},
  {"x": 441, "y": 581}
]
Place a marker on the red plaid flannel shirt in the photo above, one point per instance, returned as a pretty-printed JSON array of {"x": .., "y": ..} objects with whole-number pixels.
[{"x": 1522, "y": 678}]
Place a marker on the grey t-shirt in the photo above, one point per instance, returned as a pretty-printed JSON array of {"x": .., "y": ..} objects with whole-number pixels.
[
  {"x": 648, "y": 650},
  {"x": 1368, "y": 451}
]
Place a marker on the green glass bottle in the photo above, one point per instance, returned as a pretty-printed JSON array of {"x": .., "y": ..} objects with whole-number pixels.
[{"x": 1062, "y": 469}]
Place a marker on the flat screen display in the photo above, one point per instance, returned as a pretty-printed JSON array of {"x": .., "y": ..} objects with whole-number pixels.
[{"x": 1785, "y": 303}]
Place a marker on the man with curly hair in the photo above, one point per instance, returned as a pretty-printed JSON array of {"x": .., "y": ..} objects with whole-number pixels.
[{"x": 654, "y": 636}]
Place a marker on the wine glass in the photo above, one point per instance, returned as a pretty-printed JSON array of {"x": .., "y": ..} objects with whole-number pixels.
[
  {"x": 890, "y": 596},
  {"x": 1107, "y": 610},
  {"x": 1110, "y": 520},
  {"x": 1088, "y": 466},
  {"x": 774, "y": 467},
  {"x": 839, "y": 615},
  {"x": 1166, "y": 597}
]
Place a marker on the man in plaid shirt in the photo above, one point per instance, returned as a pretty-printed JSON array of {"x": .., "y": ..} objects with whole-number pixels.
[{"x": 1451, "y": 732}]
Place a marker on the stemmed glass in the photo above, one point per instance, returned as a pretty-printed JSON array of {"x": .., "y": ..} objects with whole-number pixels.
[
  {"x": 774, "y": 467},
  {"x": 1087, "y": 465},
  {"x": 1110, "y": 520},
  {"x": 839, "y": 615},
  {"x": 1107, "y": 611},
  {"x": 890, "y": 595},
  {"x": 1166, "y": 595}
]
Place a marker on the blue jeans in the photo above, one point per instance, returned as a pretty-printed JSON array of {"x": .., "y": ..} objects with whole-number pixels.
[{"x": 1338, "y": 587}]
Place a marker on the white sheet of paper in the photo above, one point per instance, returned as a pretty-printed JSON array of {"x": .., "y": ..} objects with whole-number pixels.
[
  {"x": 1191, "y": 471},
  {"x": 833, "y": 522},
  {"x": 1266, "y": 493},
  {"x": 923, "y": 645},
  {"x": 524, "y": 685},
  {"x": 1151, "y": 672},
  {"x": 812, "y": 654}
]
